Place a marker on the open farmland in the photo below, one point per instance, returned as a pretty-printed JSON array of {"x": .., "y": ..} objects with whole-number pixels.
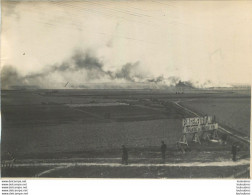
[
  {"x": 67, "y": 124},
  {"x": 91, "y": 125}
]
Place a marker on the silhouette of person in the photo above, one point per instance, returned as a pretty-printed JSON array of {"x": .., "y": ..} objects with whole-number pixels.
[
  {"x": 124, "y": 155},
  {"x": 163, "y": 150},
  {"x": 234, "y": 151}
]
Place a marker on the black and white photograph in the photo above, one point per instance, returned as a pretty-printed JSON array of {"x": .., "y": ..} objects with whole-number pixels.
[{"x": 134, "y": 89}]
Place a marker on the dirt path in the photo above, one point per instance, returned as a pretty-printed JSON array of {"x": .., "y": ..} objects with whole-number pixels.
[
  {"x": 83, "y": 164},
  {"x": 186, "y": 164}
]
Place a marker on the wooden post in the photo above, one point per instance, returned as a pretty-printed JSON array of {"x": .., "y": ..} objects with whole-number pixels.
[
  {"x": 196, "y": 138},
  {"x": 183, "y": 140}
]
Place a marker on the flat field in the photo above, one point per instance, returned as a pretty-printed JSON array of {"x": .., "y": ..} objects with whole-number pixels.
[
  {"x": 52, "y": 121},
  {"x": 93, "y": 124},
  {"x": 39, "y": 122}
]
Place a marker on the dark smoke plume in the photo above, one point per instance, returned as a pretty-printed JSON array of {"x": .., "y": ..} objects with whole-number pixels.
[
  {"x": 81, "y": 64},
  {"x": 10, "y": 77},
  {"x": 130, "y": 72},
  {"x": 83, "y": 69}
]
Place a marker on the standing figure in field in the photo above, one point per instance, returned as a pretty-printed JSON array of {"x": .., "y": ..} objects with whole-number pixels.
[
  {"x": 163, "y": 150},
  {"x": 234, "y": 151},
  {"x": 124, "y": 155},
  {"x": 224, "y": 138}
]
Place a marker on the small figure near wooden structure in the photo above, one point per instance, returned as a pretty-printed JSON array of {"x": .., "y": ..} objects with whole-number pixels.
[
  {"x": 124, "y": 155},
  {"x": 235, "y": 148},
  {"x": 163, "y": 150}
]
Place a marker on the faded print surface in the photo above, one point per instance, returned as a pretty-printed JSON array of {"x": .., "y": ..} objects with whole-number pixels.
[{"x": 81, "y": 79}]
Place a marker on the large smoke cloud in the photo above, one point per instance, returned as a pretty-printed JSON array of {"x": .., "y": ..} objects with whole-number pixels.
[
  {"x": 82, "y": 70},
  {"x": 10, "y": 77}
]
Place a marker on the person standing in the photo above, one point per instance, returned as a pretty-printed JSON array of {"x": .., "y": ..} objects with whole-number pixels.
[
  {"x": 163, "y": 150},
  {"x": 124, "y": 155},
  {"x": 234, "y": 151}
]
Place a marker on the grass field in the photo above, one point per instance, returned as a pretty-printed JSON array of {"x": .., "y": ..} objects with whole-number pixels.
[
  {"x": 44, "y": 124},
  {"x": 145, "y": 172},
  {"x": 130, "y": 172},
  {"x": 48, "y": 126},
  {"x": 44, "y": 121}
]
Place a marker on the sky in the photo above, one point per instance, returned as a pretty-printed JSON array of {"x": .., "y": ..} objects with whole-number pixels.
[{"x": 50, "y": 43}]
